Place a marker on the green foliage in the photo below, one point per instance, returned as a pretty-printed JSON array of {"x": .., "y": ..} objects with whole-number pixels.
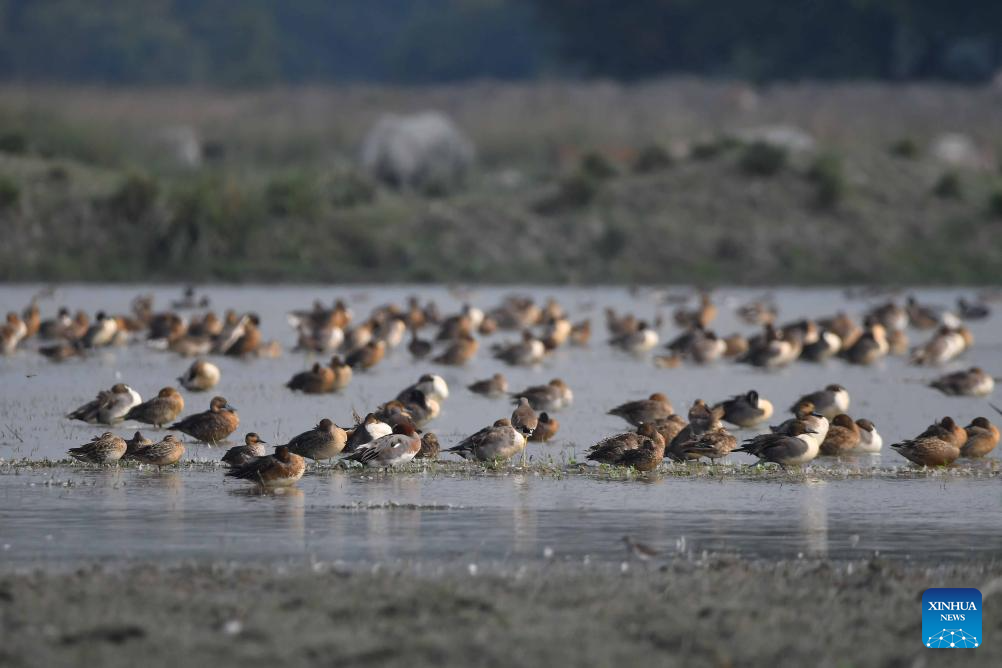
[
  {"x": 762, "y": 159},
  {"x": 253, "y": 42},
  {"x": 827, "y": 173},
  {"x": 905, "y": 147},
  {"x": 13, "y": 142},
  {"x": 652, "y": 158},
  {"x": 712, "y": 148},
  {"x": 597, "y": 166},
  {"x": 778, "y": 39},
  {"x": 611, "y": 243},
  {"x": 995, "y": 203},
  {"x": 949, "y": 186},
  {"x": 573, "y": 192},
  {"x": 10, "y": 193},
  {"x": 349, "y": 189},
  {"x": 135, "y": 197},
  {"x": 293, "y": 195}
]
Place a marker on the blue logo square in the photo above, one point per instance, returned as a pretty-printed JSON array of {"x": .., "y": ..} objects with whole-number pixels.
[{"x": 951, "y": 618}]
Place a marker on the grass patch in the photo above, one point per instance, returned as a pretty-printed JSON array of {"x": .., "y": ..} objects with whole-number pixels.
[
  {"x": 762, "y": 159},
  {"x": 827, "y": 173},
  {"x": 948, "y": 186}
]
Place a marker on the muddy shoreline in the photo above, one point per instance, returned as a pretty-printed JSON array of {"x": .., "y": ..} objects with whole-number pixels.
[{"x": 714, "y": 612}]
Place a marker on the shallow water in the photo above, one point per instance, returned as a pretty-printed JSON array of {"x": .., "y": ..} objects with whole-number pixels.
[{"x": 68, "y": 513}]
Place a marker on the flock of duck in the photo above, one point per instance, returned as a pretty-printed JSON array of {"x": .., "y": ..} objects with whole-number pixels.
[{"x": 395, "y": 432}]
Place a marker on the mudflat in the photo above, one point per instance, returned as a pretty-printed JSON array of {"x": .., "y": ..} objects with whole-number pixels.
[{"x": 716, "y": 611}]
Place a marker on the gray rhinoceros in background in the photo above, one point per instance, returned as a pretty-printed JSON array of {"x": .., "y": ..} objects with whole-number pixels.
[{"x": 423, "y": 151}]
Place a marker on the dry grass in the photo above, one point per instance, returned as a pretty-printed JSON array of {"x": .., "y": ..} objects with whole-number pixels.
[{"x": 876, "y": 220}]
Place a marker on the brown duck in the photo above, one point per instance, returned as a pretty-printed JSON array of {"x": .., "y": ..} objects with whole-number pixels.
[
  {"x": 367, "y": 356},
  {"x": 239, "y": 455},
  {"x": 655, "y": 407},
  {"x": 318, "y": 380},
  {"x": 928, "y": 451},
  {"x": 546, "y": 428},
  {"x": 459, "y": 352},
  {"x": 647, "y": 457},
  {"x": 982, "y": 437},
  {"x": 325, "y": 441},
  {"x": 212, "y": 426},
  {"x": 712, "y": 444},
  {"x": 612, "y": 449},
  {"x": 160, "y": 410},
  {"x": 842, "y": 437},
  {"x": 281, "y": 469}
]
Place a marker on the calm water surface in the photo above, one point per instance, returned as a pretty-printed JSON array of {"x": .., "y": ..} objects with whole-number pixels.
[{"x": 70, "y": 513}]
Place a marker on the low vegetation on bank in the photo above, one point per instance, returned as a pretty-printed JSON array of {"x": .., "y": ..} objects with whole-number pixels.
[{"x": 661, "y": 182}]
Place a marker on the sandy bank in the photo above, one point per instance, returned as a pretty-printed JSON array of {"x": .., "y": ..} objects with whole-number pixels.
[{"x": 721, "y": 612}]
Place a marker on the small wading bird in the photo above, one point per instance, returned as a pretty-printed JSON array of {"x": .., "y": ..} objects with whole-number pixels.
[
  {"x": 104, "y": 449},
  {"x": 162, "y": 453},
  {"x": 637, "y": 550}
]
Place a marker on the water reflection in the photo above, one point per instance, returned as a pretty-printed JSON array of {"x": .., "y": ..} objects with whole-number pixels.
[
  {"x": 814, "y": 517},
  {"x": 182, "y": 514}
]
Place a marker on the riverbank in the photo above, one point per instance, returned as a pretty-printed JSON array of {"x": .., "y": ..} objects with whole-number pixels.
[
  {"x": 712, "y": 612},
  {"x": 657, "y": 182}
]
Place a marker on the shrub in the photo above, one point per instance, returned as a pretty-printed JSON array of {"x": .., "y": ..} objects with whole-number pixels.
[
  {"x": 709, "y": 149},
  {"x": 574, "y": 192},
  {"x": 58, "y": 174},
  {"x": 13, "y": 142},
  {"x": 905, "y": 147},
  {"x": 293, "y": 195},
  {"x": 948, "y": 186},
  {"x": 995, "y": 203},
  {"x": 597, "y": 166},
  {"x": 10, "y": 193},
  {"x": 762, "y": 159},
  {"x": 830, "y": 184},
  {"x": 652, "y": 158},
  {"x": 135, "y": 197},
  {"x": 350, "y": 189}
]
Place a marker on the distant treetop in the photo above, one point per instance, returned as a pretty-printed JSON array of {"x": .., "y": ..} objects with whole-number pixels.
[{"x": 251, "y": 42}]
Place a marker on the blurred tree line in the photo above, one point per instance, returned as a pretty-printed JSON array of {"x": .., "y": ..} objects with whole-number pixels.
[
  {"x": 246, "y": 42},
  {"x": 780, "y": 39}
]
